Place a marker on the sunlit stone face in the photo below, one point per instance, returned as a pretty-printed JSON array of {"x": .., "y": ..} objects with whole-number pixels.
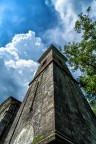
[{"x": 26, "y": 136}]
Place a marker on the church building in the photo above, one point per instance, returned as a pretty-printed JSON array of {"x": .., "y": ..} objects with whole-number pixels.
[{"x": 54, "y": 110}]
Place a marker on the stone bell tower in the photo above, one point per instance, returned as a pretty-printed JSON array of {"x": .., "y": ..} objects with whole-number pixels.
[{"x": 54, "y": 110}]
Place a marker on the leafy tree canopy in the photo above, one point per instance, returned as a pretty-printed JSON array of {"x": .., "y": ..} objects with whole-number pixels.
[{"x": 82, "y": 55}]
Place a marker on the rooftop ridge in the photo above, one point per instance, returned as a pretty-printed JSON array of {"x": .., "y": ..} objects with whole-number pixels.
[{"x": 11, "y": 98}]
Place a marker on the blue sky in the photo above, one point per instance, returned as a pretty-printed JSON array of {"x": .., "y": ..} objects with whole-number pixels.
[{"x": 27, "y": 28}]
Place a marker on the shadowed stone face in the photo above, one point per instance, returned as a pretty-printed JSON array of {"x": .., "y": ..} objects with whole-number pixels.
[
  {"x": 8, "y": 111},
  {"x": 26, "y": 136},
  {"x": 55, "y": 106}
]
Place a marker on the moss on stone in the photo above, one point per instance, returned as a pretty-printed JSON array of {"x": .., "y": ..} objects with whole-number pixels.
[{"x": 37, "y": 139}]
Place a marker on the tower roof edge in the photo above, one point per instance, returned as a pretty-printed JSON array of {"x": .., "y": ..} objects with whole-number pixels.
[{"x": 52, "y": 47}]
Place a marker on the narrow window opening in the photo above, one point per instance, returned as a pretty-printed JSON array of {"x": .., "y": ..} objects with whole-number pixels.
[
  {"x": 44, "y": 62},
  {"x": 31, "y": 108}
]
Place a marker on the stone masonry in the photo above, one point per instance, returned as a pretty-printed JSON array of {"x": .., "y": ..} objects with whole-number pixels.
[
  {"x": 8, "y": 111},
  {"x": 54, "y": 109}
]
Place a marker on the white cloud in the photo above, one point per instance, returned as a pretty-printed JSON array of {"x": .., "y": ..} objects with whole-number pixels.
[
  {"x": 60, "y": 37},
  {"x": 64, "y": 32},
  {"x": 21, "y": 64},
  {"x": 18, "y": 62},
  {"x": 24, "y": 46},
  {"x": 93, "y": 9},
  {"x": 67, "y": 12}
]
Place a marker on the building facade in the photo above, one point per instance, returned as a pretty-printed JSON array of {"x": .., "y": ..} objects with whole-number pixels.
[
  {"x": 8, "y": 111},
  {"x": 54, "y": 110}
]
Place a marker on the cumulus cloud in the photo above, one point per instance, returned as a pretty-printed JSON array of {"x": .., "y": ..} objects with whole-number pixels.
[
  {"x": 54, "y": 23},
  {"x": 18, "y": 63},
  {"x": 67, "y": 12},
  {"x": 67, "y": 17}
]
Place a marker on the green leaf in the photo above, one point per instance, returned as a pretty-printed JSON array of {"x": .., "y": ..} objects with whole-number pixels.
[{"x": 82, "y": 55}]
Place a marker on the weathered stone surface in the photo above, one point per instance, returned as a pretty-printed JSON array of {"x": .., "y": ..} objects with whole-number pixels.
[
  {"x": 74, "y": 118},
  {"x": 54, "y": 107},
  {"x": 38, "y": 110},
  {"x": 8, "y": 111}
]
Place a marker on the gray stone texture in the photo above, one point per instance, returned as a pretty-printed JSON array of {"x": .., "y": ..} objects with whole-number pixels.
[
  {"x": 54, "y": 108},
  {"x": 8, "y": 111}
]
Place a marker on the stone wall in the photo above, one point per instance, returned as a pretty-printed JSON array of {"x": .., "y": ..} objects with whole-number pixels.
[
  {"x": 8, "y": 111},
  {"x": 38, "y": 111},
  {"x": 74, "y": 119},
  {"x": 54, "y": 109}
]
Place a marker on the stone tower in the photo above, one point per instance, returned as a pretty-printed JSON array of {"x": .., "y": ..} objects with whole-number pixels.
[
  {"x": 8, "y": 111},
  {"x": 54, "y": 110}
]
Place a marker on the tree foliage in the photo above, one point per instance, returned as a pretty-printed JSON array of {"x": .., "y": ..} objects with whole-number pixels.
[{"x": 82, "y": 55}]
